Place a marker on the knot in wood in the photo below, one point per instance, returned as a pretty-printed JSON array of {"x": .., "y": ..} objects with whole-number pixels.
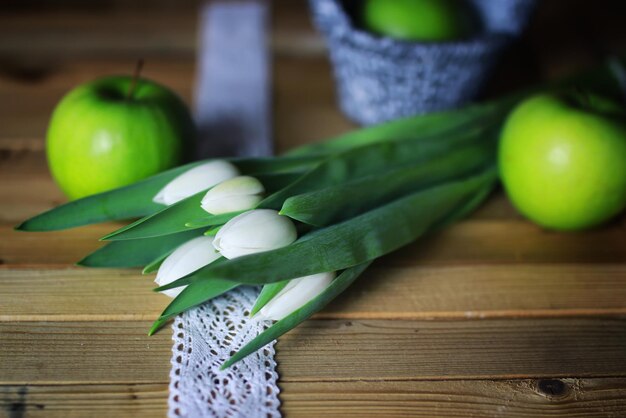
[{"x": 552, "y": 388}]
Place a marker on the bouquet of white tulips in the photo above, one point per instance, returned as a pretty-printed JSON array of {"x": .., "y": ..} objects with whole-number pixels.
[{"x": 303, "y": 225}]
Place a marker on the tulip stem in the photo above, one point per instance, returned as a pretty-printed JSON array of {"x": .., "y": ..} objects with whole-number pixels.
[{"x": 133, "y": 82}]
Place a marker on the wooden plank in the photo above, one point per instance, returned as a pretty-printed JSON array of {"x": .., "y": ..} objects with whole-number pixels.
[
  {"x": 109, "y": 32},
  {"x": 79, "y": 295},
  {"x": 76, "y": 352},
  {"x": 133, "y": 28},
  {"x": 604, "y": 397},
  {"x": 329, "y": 350},
  {"x": 483, "y": 292},
  {"x": 335, "y": 350},
  {"x": 26, "y": 103},
  {"x": 599, "y": 397},
  {"x": 25, "y": 116},
  {"x": 305, "y": 108},
  {"x": 27, "y": 187},
  {"x": 59, "y": 249},
  {"x": 471, "y": 242},
  {"x": 382, "y": 293},
  {"x": 507, "y": 241},
  {"x": 127, "y": 400}
]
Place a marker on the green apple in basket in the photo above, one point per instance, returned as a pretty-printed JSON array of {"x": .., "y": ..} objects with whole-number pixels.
[
  {"x": 420, "y": 20},
  {"x": 115, "y": 131}
]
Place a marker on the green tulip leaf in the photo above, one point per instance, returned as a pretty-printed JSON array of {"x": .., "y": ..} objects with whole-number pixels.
[
  {"x": 337, "y": 203},
  {"x": 267, "y": 293},
  {"x": 154, "y": 265},
  {"x": 170, "y": 220},
  {"x": 373, "y": 159},
  {"x": 136, "y": 253},
  {"x": 127, "y": 202},
  {"x": 423, "y": 128},
  {"x": 192, "y": 295},
  {"x": 211, "y": 232}
]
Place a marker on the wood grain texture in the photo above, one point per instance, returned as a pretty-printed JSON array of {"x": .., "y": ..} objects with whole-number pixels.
[
  {"x": 436, "y": 292},
  {"x": 329, "y": 351},
  {"x": 133, "y": 28},
  {"x": 59, "y": 249},
  {"x": 79, "y": 295},
  {"x": 589, "y": 398},
  {"x": 473, "y": 242},
  {"x": 72, "y": 401},
  {"x": 104, "y": 352},
  {"x": 605, "y": 397},
  {"x": 483, "y": 291},
  {"x": 335, "y": 350},
  {"x": 26, "y": 104}
]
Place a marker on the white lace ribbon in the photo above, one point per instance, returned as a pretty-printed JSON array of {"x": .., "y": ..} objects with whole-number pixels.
[
  {"x": 204, "y": 338},
  {"x": 232, "y": 101}
]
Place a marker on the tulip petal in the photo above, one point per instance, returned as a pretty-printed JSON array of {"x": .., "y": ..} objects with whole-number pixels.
[
  {"x": 295, "y": 295},
  {"x": 187, "y": 258},
  {"x": 253, "y": 232},
  {"x": 196, "y": 180},
  {"x": 233, "y": 195}
]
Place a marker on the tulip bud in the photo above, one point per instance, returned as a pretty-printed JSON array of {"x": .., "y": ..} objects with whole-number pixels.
[
  {"x": 195, "y": 180},
  {"x": 253, "y": 232},
  {"x": 185, "y": 259},
  {"x": 238, "y": 193},
  {"x": 295, "y": 295}
]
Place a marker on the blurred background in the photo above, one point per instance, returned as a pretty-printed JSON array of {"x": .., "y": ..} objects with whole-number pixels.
[{"x": 47, "y": 47}]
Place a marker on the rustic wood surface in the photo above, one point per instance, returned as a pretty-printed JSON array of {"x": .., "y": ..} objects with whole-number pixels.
[{"x": 492, "y": 317}]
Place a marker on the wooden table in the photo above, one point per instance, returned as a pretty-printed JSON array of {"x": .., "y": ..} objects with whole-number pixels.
[{"x": 493, "y": 317}]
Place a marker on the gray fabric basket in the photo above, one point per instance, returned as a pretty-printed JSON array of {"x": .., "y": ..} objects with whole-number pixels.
[{"x": 379, "y": 78}]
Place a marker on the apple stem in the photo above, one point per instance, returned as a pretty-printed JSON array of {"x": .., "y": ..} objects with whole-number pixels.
[{"x": 136, "y": 74}]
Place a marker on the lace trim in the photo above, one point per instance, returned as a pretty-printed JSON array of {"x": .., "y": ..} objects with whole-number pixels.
[{"x": 204, "y": 338}]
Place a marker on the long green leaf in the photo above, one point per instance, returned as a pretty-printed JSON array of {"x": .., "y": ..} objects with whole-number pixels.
[
  {"x": 292, "y": 320},
  {"x": 154, "y": 265},
  {"x": 429, "y": 127},
  {"x": 169, "y": 220},
  {"x": 193, "y": 295},
  {"x": 136, "y": 253},
  {"x": 267, "y": 293},
  {"x": 352, "y": 242},
  {"x": 336, "y": 203},
  {"x": 375, "y": 158},
  {"x": 211, "y": 232},
  {"x": 135, "y": 200},
  {"x": 276, "y": 165},
  {"x": 123, "y": 203}
]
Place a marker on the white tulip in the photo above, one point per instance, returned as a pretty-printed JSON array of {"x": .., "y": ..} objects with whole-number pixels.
[
  {"x": 238, "y": 193},
  {"x": 253, "y": 232},
  {"x": 187, "y": 258},
  {"x": 295, "y": 295},
  {"x": 195, "y": 180}
]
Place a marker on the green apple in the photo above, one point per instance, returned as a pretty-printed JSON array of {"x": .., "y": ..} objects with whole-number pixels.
[
  {"x": 419, "y": 20},
  {"x": 115, "y": 131},
  {"x": 562, "y": 159}
]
